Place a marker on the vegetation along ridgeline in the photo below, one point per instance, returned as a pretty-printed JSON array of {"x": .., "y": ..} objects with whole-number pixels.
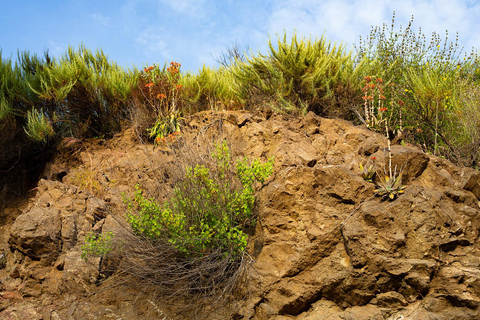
[{"x": 425, "y": 92}]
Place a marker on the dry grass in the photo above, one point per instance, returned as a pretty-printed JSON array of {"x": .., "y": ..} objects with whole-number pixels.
[{"x": 196, "y": 284}]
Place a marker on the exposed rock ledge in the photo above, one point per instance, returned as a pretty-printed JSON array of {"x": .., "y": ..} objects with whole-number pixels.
[{"x": 325, "y": 247}]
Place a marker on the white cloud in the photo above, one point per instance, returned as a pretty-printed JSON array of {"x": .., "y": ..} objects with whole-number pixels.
[
  {"x": 151, "y": 44},
  {"x": 56, "y": 49},
  {"x": 346, "y": 20}
]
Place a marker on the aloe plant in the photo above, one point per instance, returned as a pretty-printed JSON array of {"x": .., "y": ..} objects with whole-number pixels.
[
  {"x": 367, "y": 173},
  {"x": 390, "y": 186}
]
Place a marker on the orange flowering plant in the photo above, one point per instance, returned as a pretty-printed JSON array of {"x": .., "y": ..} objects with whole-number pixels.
[
  {"x": 163, "y": 94},
  {"x": 169, "y": 139},
  {"x": 379, "y": 117},
  {"x": 381, "y": 114}
]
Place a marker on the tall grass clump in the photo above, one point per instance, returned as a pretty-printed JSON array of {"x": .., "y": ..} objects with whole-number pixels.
[
  {"x": 43, "y": 99},
  {"x": 38, "y": 127},
  {"x": 82, "y": 94},
  {"x": 429, "y": 79},
  {"x": 211, "y": 89},
  {"x": 194, "y": 244},
  {"x": 7, "y": 83},
  {"x": 87, "y": 95},
  {"x": 21, "y": 157},
  {"x": 301, "y": 75},
  {"x": 16, "y": 97}
]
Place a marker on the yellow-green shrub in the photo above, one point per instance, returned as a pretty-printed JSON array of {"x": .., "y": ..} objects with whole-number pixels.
[
  {"x": 299, "y": 76},
  {"x": 208, "y": 211}
]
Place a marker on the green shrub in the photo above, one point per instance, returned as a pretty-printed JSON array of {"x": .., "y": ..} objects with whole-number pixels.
[
  {"x": 428, "y": 83},
  {"x": 211, "y": 89},
  {"x": 209, "y": 210},
  {"x": 97, "y": 244},
  {"x": 81, "y": 93},
  {"x": 300, "y": 76},
  {"x": 38, "y": 127},
  {"x": 6, "y": 78},
  {"x": 87, "y": 93},
  {"x": 16, "y": 97}
]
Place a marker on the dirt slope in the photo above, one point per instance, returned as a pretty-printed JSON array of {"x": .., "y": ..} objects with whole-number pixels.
[{"x": 325, "y": 247}]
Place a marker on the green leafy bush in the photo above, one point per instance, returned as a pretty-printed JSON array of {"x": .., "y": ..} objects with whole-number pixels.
[
  {"x": 97, "y": 244},
  {"x": 209, "y": 210}
]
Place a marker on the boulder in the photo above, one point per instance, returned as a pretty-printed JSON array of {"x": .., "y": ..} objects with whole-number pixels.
[
  {"x": 37, "y": 233},
  {"x": 409, "y": 161}
]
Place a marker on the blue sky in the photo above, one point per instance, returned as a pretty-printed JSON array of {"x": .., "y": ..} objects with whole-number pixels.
[{"x": 193, "y": 32}]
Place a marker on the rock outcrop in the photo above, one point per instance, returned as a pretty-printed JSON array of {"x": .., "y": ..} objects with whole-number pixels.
[{"x": 325, "y": 246}]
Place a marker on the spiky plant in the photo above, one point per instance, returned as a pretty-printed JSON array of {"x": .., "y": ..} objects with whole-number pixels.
[
  {"x": 298, "y": 76},
  {"x": 367, "y": 173},
  {"x": 38, "y": 126},
  {"x": 210, "y": 89},
  {"x": 390, "y": 186}
]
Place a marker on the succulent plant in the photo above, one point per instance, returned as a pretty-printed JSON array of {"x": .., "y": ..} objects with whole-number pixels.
[
  {"x": 367, "y": 173},
  {"x": 390, "y": 186}
]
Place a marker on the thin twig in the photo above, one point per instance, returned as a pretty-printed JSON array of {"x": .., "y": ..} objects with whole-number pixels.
[{"x": 356, "y": 208}]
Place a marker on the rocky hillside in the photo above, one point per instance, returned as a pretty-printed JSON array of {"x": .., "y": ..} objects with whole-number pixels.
[{"x": 325, "y": 246}]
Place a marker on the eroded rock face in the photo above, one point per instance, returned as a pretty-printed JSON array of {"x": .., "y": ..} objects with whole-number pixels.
[
  {"x": 44, "y": 239},
  {"x": 325, "y": 237},
  {"x": 325, "y": 247}
]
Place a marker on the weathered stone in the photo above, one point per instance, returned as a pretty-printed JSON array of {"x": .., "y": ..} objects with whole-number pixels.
[
  {"x": 78, "y": 275},
  {"x": 391, "y": 299},
  {"x": 420, "y": 282},
  {"x": 37, "y": 233},
  {"x": 3, "y": 260},
  {"x": 411, "y": 162},
  {"x": 473, "y": 183}
]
